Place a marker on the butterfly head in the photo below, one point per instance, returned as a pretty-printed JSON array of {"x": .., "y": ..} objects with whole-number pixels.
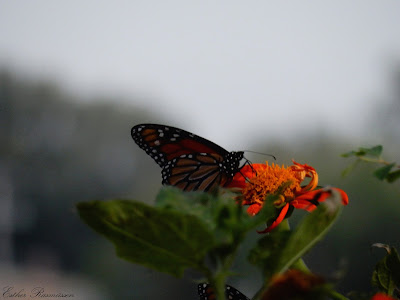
[{"x": 231, "y": 163}]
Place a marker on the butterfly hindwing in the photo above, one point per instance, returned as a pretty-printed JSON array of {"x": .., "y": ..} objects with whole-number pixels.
[
  {"x": 206, "y": 292},
  {"x": 198, "y": 171}
]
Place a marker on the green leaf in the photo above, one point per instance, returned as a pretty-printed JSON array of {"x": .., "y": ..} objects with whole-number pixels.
[
  {"x": 311, "y": 230},
  {"x": 393, "y": 176},
  {"x": 386, "y": 275},
  {"x": 193, "y": 203},
  {"x": 167, "y": 241},
  {"x": 268, "y": 249},
  {"x": 280, "y": 250},
  {"x": 375, "y": 151},
  {"x": 224, "y": 217},
  {"x": 183, "y": 230},
  {"x": 221, "y": 213},
  {"x": 383, "y": 172},
  {"x": 352, "y": 153}
]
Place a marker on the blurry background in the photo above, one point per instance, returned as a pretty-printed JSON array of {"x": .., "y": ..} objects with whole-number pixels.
[{"x": 305, "y": 80}]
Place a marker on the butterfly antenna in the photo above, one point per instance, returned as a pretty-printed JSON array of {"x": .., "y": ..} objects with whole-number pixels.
[{"x": 273, "y": 156}]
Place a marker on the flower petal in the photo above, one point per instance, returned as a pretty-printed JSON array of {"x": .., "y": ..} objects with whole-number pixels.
[
  {"x": 310, "y": 200},
  {"x": 382, "y": 296},
  {"x": 345, "y": 198},
  {"x": 303, "y": 204},
  {"x": 254, "y": 209},
  {"x": 278, "y": 220}
]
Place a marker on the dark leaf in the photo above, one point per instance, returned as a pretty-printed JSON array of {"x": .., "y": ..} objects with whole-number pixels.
[
  {"x": 386, "y": 275},
  {"x": 375, "y": 151},
  {"x": 393, "y": 176},
  {"x": 353, "y": 153},
  {"x": 166, "y": 241},
  {"x": 382, "y": 172},
  {"x": 280, "y": 250},
  {"x": 221, "y": 213},
  {"x": 311, "y": 230},
  {"x": 268, "y": 248},
  {"x": 179, "y": 232}
]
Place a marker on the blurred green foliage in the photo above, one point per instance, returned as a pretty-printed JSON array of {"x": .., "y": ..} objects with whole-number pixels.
[
  {"x": 373, "y": 155},
  {"x": 386, "y": 275},
  {"x": 190, "y": 230}
]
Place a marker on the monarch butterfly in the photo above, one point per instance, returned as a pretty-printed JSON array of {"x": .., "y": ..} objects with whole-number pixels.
[
  {"x": 206, "y": 292},
  {"x": 188, "y": 161}
]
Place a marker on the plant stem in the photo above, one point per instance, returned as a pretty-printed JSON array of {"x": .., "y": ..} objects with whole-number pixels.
[
  {"x": 378, "y": 161},
  {"x": 337, "y": 296},
  {"x": 218, "y": 281},
  {"x": 218, "y": 284}
]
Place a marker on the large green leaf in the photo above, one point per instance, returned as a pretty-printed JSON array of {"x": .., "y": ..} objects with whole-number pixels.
[
  {"x": 268, "y": 249},
  {"x": 311, "y": 230},
  {"x": 179, "y": 232},
  {"x": 167, "y": 241},
  {"x": 281, "y": 249}
]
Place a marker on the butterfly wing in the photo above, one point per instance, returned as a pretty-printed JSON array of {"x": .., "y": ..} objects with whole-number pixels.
[
  {"x": 198, "y": 171},
  {"x": 206, "y": 292},
  {"x": 164, "y": 143},
  {"x": 188, "y": 161}
]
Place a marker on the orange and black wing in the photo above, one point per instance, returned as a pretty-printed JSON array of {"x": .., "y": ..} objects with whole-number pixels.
[
  {"x": 198, "y": 171},
  {"x": 206, "y": 292},
  {"x": 188, "y": 161},
  {"x": 164, "y": 143}
]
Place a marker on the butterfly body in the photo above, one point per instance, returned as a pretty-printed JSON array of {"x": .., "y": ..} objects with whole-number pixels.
[{"x": 188, "y": 161}]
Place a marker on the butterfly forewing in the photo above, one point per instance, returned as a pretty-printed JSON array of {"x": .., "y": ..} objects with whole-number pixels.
[
  {"x": 164, "y": 143},
  {"x": 188, "y": 161},
  {"x": 206, "y": 292}
]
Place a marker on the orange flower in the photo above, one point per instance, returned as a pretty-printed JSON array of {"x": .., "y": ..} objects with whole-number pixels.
[
  {"x": 381, "y": 296},
  {"x": 257, "y": 181},
  {"x": 293, "y": 284}
]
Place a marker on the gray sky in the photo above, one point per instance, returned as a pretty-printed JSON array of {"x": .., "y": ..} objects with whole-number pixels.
[{"x": 247, "y": 68}]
